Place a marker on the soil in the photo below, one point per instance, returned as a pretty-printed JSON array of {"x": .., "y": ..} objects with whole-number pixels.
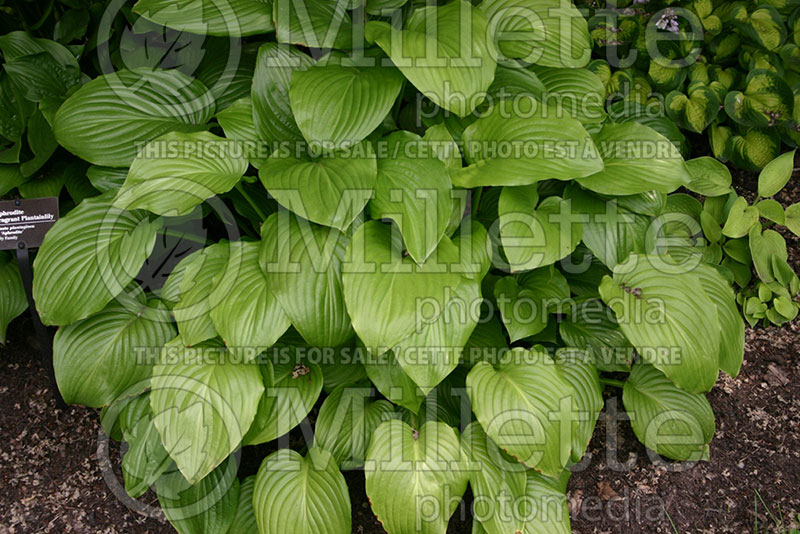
[{"x": 54, "y": 464}]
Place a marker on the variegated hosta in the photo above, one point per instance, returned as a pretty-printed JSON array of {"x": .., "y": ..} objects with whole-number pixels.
[{"x": 325, "y": 251}]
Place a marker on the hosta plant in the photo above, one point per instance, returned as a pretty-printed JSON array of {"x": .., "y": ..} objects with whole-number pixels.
[{"x": 388, "y": 238}]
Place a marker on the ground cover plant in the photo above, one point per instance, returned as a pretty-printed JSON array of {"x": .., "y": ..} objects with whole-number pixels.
[{"x": 427, "y": 227}]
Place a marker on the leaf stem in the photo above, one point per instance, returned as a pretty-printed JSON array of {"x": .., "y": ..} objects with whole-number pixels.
[
  {"x": 250, "y": 201},
  {"x": 611, "y": 382}
]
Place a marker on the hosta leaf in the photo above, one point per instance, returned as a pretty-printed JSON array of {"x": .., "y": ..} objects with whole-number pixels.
[
  {"x": 346, "y": 421},
  {"x": 329, "y": 190},
  {"x": 525, "y": 301},
  {"x": 793, "y": 218},
  {"x": 525, "y": 397},
  {"x": 101, "y": 357},
  {"x": 593, "y": 328},
  {"x": 766, "y": 99},
  {"x": 741, "y": 218},
  {"x": 42, "y": 77},
  {"x": 313, "y": 23},
  {"x": 577, "y": 92},
  {"x": 664, "y": 76},
  {"x": 88, "y": 258},
  {"x": 551, "y": 33},
  {"x": 776, "y": 174},
  {"x": 203, "y": 402},
  {"x": 146, "y": 459},
  {"x": 665, "y": 313},
  {"x": 752, "y": 148},
  {"x": 297, "y": 495},
  {"x": 710, "y": 177},
  {"x": 385, "y": 372},
  {"x": 764, "y": 25},
  {"x": 694, "y": 111},
  {"x": 202, "y": 507},
  {"x": 416, "y": 194},
  {"x": 668, "y": 420},
  {"x": 176, "y": 172},
  {"x": 237, "y": 122},
  {"x": 336, "y": 106},
  {"x": 771, "y": 210},
  {"x": 430, "y": 52},
  {"x": 637, "y": 159},
  {"x": 383, "y": 290},
  {"x": 303, "y": 266},
  {"x": 536, "y": 237},
  {"x": 13, "y": 300},
  {"x": 291, "y": 389},
  {"x": 106, "y": 179},
  {"x": 107, "y": 120},
  {"x": 234, "y": 18},
  {"x": 248, "y": 316},
  {"x": 766, "y": 247},
  {"x": 408, "y": 467},
  {"x": 498, "y": 482},
  {"x": 272, "y": 113},
  {"x": 577, "y": 368},
  {"x": 518, "y": 142},
  {"x": 244, "y": 522}
]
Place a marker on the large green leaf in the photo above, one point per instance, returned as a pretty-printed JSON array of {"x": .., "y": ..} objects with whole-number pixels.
[
  {"x": 202, "y": 507},
  {"x": 105, "y": 355},
  {"x": 303, "y": 262},
  {"x": 247, "y": 315},
  {"x": 291, "y": 389},
  {"x": 578, "y": 368},
  {"x": 741, "y": 218},
  {"x": 203, "y": 402},
  {"x": 87, "y": 258},
  {"x": 536, "y": 236},
  {"x": 766, "y": 99},
  {"x": 667, "y": 419},
  {"x": 388, "y": 376},
  {"x": 107, "y": 120},
  {"x": 526, "y": 406},
  {"x": 592, "y": 327},
  {"x": 578, "y": 93},
  {"x": 297, "y": 495},
  {"x": 330, "y": 190},
  {"x": 519, "y": 142},
  {"x": 710, "y": 177},
  {"x": 176, "y": 172},
  {"x": 445, "y": 51},
  {"x": 272, "y": 113},
  {"x": 525, "y": 301},
  {"x": 384, "y": 290},
  {"x": 336, "y": 106},
  {"x": 346, "y": 421},
  {"x": 233, "y": 18},
  {"x": 146, "y": 459},
  {"x": 313, "y": 23},
  {"x": 408, "y": 468},
  {"x": 731, "y": 341},
  {"x": 665, "y": 313},
  {"x": 505, "y": 491},
  {"x": 416, "y": 194},
  {"x": 637, "y": 159},
  {"x": 237, "y": 122},
  {"x": 551, "y": 33},
  {"x": 12, "y": 295},
  {"x": 244, "y": 522}
]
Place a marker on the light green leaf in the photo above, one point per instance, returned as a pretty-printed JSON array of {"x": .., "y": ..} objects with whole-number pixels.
[
  {"x": 525, "y": 405},
  {"x": 408, "y": 467},
  {"x": 106, "y": 179},
  {"x": 766, "y": 99},
  {"x": 383, "y": 290},
  {"x": 577, "y": 368},
  {"x": 13, "y": 300},
  {"x": 793, "y": 218},
  {"x": 416, "y": 194},
  {"x": 385, "y": 372},
  {"x": 303, "y": 266},
  {"x": 593, "y": 327},
  {"x": 694, "y": 111},
  {"x": 244, "y": 522},
  {"x": 87, "y": 258},
  {"x": 637, "y": 159},
  {"x": 203, "y": 402},
  {"x": 330, "y": 190},
  {"x": 176, "y": 172},
  {"x": 238, "y": 124},
  {"x": 272, "y": 113},
  {"x": 518, "y": 142},
  {"x": 776, "y": 174},
  {"x": 291, "y": 389},
  {"x": 668, "y": 420},
  {"x": 146, "y": 459},
  {"x": 664, "y": 311},
  {"x": 433, "y": 54},
  {"x": 525, "y": 301},
  {"x": 247, "y": 315},
  {"x": 297, "y": 495},
  {"x": 346, "y": 421},
  {"x": 101, "y": 357},
  {"x": 709, "y": 177},
  {"x": 107, "y": 120},
  {"x": 577, "y": 92},
  {"x": 337, "y": 106},
  {"x": 765, "y": 248},
  {"x": 203, "y": 507},
  {"x": 741, "y": 218},
  {"x": 552, "y": 33},
  {"x": 231, "y": 18},
  {"x": 772, "y": 210}
]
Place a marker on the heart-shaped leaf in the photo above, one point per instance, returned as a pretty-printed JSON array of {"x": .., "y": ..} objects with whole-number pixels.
[
  {"x": 694, "y": 111},
  {"x": 766, "y": 99},
  {"x": 593, "y": 327},
  {"x": 525, "y": 301}
]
